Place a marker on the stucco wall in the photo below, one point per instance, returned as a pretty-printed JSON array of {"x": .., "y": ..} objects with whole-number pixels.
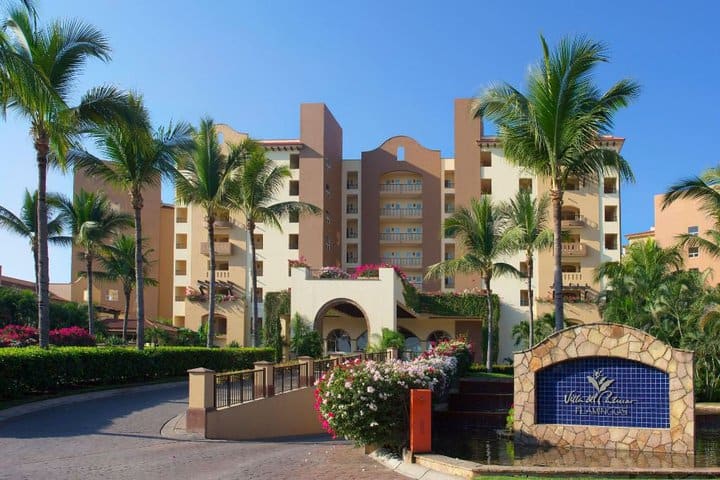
[{"x": 607, "y": 340}]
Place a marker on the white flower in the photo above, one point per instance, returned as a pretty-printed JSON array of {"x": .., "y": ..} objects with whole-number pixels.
[
  {"x": 374, "y": 424},
  {"x": 370, "y": 389},
  {"x": 373, "y": 407}
]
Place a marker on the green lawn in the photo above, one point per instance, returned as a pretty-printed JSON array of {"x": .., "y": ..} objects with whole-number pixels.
[{"x": 488, "y": 375}]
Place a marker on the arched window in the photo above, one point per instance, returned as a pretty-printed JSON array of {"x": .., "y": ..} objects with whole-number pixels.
[
  {"x": 362, "y": 341},
  {"x": 412, "y": 342},
  {"x": 401, "y": 154},
  {"x": 338, "y": 341},
  {"x": 436, "y": 337}
]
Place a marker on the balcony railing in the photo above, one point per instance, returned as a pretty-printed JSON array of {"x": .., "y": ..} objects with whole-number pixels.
[
  {"x": 351, "y": 209},
  {"x": 221, "y": 248},
  {"x": 574, "y": 249},
  {"x": 572, "y": 277},
  {"x": 401, "y": 237},
  {"x": 403, "y": 262},
  {"x": 572, "y": 221},
  {"x": 449, "y": 184},
  {"x": 449, "y": 208},
  {"x": 401, "y": 187},
  {"x": 351, "y": 259},
  {"x": 351, "y": 234},
  {"x": 352, "y": 185},
  {"x": 401, "y": 212},
  {"x": 239, "y": 387}
]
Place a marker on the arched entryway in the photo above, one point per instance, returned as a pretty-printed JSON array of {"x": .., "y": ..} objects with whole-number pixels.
[
  {"x": 220, "y": 326},
  {"x": 343, "y": 326}
]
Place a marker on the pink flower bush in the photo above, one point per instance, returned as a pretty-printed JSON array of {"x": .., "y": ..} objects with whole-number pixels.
[
  {"x": 18, "y": 336},
  {"x": 71, "y": 337},
  {"x": 372, "y": 270},
  {"x": 333, "y": 272}
]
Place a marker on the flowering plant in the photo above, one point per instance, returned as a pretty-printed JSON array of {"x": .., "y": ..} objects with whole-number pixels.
[
  {"x": 368, "y": 402},
  {"x": 18, "y": 336},
  {"x": 333, "y": 272},
  {"x": 71, "y": 337},
  {"x": 372, "y": 270},
  {"x": 300, "y": 262},
  {"x": 194, "y": 295},
  {"x": 459, "y": 348},
  {"x": 220, "y": 298}
]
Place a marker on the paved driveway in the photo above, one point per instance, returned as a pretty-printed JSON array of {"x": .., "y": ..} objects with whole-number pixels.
[{"x": 119, "y": 437}]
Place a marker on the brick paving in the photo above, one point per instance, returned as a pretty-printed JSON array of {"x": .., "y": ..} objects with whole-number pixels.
[{"x": 119, "y": 438}]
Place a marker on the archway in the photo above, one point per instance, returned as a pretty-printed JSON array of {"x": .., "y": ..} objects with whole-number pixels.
[
  {"x": 342, "y": 324},
  {"x": 413, "y": 345}
]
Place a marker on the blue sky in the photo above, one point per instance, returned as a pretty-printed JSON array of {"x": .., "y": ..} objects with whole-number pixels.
[{"x": 386, "y": 68}]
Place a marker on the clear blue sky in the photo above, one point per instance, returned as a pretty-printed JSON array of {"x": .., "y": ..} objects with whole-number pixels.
[{"x": 386, "y": 68}]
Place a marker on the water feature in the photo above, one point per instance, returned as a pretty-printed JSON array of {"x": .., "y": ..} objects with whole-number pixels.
[{"x": 485, "y": 446}]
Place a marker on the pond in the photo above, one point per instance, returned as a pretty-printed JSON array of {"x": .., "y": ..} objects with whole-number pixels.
[{"x": 484, "y": 446}]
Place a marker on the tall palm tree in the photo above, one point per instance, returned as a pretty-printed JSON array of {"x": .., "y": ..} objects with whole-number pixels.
[
  {"x": 706, "y": 189},
  {"x": 205, "y": 178},
  {"x": 134, "y": 157},
  {"x": 527, "y": 219},
  {"x": 26, "y": 224},
  {"x": 39, "y": 69},
  {"x": 92, "y": 221},
  {"x": 258, "y": 184},
  {"x": 118, "y": 261},
  {"x": 553, "y": 129},
  {"x": 479, "y": 230}
]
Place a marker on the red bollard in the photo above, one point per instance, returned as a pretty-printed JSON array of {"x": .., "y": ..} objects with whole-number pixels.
[{"x": 420, "y": 421}]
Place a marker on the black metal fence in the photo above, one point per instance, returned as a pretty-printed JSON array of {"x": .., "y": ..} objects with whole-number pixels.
[
  {"x": 321, "y": 367},
  {"x": 290, "y": 377},
  {"x": 234, "y": 388}
]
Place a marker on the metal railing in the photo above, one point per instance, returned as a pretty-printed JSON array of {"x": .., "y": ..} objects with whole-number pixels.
[
  {"x": 290, "y": 377},
  {"x": 321, "y": 367},
  {"x": 401, "y": 212},
  {"x": 449, "y": 184},
  {"x": 234, "y": 388},
  {"x": 351, "y": 209},
  {"x": 403, "y": 262},
  {"x": 401, "y": 187},
  {"x": 352, "y": 186},
  {"x": 400, "y": 237}
]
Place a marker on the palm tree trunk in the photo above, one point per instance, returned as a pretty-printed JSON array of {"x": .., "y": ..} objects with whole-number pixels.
[
  {"x": 139, "y": 281},
  {"x": 556, "y": 196},
  {"x": 211, "y": 292},
  {"x": 35, "y": 259},
  {"x": 42, "y": 148},
  {"x": 127, "y": 313},
  {"x": 530, "y": 265},
  {"x": 253, "y": 276},
  {"x": 488, "y": 356},
  {"x": 91, "y": 310}
]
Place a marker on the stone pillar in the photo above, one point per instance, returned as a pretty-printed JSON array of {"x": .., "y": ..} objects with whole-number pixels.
[
  {"x": 309, "y": 375},
  {"x": 268, "y": 389},
  {"x": 201, "y": 384},
  {"x": 392, "y": 353}
]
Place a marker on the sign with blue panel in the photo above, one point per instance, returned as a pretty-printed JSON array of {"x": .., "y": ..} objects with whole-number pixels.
[{"x": 603, "y": 391}]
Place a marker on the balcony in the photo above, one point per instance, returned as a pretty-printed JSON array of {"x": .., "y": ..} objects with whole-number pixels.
[
  {"x": 402, "y": 188},
  {"x": 401, "y": 212},
  {"x": 572, "y": 277},
  {"x": 352, "y": 185},
  {"x": 574, "y": 249},
  {"x": 221, "y": 248},
  {"x": 351, "y": 258},
  {"x": 392, "y": 237},
  {"x": 411, "y": 262},
  {"x": 449, "y": 184},
  {"x": 449, "y": 208},
  {"x": 351, "y": 209},
  {"x": 351, "y": 234},
  {"x": 223, "y": 223},
  {"x": 572, "y": 221}
]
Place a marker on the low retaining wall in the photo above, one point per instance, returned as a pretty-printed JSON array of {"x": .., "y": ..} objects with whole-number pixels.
[{"x": 605, "y": 386}]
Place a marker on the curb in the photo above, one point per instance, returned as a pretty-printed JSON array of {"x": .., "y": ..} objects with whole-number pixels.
[
  {"x": 410, "y": 470},
  {"x": 33, "y": 407}
]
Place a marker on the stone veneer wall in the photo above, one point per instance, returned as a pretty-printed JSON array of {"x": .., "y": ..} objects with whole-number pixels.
[{"x": 607, "y": 340}]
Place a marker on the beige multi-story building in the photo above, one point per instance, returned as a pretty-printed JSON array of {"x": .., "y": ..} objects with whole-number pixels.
[
  {"x": 684, "y": 216},
  {"x": 388, "y": 207}
]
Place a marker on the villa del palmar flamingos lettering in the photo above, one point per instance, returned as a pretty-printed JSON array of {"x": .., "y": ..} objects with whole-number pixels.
[{"x": 602, "y": 401}]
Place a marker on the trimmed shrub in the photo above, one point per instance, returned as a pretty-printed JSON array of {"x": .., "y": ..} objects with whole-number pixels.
[
  {"x": 502, "y": 368},
  {"x": 32, "y": 370}
]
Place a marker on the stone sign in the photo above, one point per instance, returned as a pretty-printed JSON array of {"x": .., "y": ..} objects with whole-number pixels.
[{"x": 605, "y": 386}]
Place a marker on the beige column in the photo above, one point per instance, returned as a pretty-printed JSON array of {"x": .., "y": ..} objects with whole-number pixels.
[
  {"x": 392, "y": 353},
  {"x": 307, "y": 377},
  {"x": 268, "y": 389},
  {"x": 201, "y": 384}
]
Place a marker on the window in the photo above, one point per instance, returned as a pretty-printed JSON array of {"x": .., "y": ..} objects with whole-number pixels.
[
  {"x": 611, "y": 241},
  {"x": 112, "y": 295},
  {"x": 362, "y": 341},
  {"x": 294, "y": 161},
  {"x": 525, "y": 185},
  {"x": 220, "y": 325},
  {"x": 611, "y": 213},
  {"x": 486, "y": 159},
  {"x": 181, "y": 215},
  {"x": 572, "y": 184},
  {"x": 694, "y": 230},
  {"x": 294, "y": 187},
  {"x": 338, "y": 341},
  {"x": 293, "y": 241},
  {"x": 610, "y": 185},
  {"x": 180, "y": 267},
  {"x": 259, "y": 268},
  {"x": 259, "y": 295},
  {"x": 486, "y": 186},
  {"x": 524, "y": 298},
  {"x": 258, "y": 237},
  {"x": 220, "y": 265},
  {"x": 693, "y": 252},
  {"x": 181, "y": 241},
  {"x": 523, "y": 268},
  {"x": 179, "y": 294},
  {"x": 401, "y": 154}
]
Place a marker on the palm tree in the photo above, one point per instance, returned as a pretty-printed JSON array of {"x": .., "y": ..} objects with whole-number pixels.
[
  {"x": 553, "y": 130},
  {"x": 118, "y": 261},
  {"x": 205, "y": 179},
  {"x": 527, "y": 220},
  {"x": 705, "y": 189},
  {"x": 91, "y": 220},
  {"x": 258, "y": 184},
  {"x": 26, "y": 224},
  {"x": 135, "y": 157},
  {"x": 39, "y": 69},
  {"x": 479, "y": 230}
]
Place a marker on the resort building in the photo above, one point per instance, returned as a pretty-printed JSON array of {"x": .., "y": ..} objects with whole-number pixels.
[
  {"x": 684, "y": 216},
  {"x": 387, "y": 207}
]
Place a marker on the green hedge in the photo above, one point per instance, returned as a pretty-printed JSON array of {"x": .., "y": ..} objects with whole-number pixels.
[
  {"x": 276, "y": 304},
  {"x": 501, "y": 368},
  {"x": 32, "y": 370}
]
